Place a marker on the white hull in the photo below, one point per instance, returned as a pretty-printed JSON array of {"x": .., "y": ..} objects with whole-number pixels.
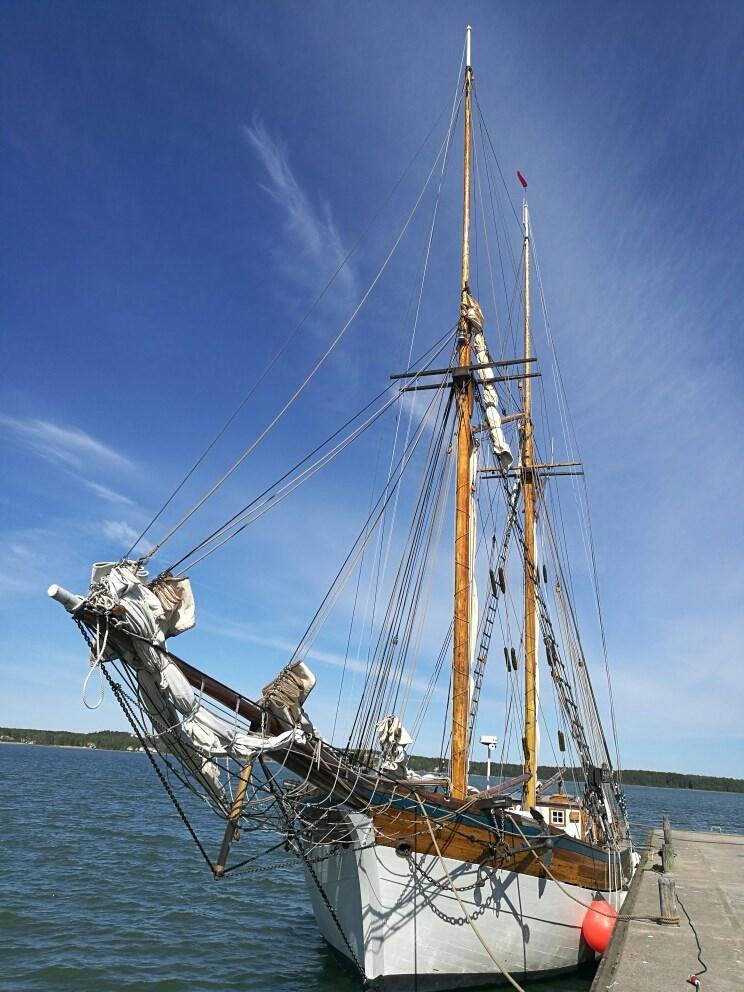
[{"x": 409, "y": 932}]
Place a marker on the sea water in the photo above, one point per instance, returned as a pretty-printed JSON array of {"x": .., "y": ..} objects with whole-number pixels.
[{"x": 103, "y": 890}]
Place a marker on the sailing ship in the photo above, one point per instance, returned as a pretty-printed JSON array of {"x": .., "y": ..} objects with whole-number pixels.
[{"x": 423, "y": 881}]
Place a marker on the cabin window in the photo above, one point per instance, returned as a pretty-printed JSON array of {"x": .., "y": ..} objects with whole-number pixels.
[{"x": 558, "y": 817}]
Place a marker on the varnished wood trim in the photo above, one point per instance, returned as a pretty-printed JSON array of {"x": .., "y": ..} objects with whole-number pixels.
[{"x": 477, "y": 845}]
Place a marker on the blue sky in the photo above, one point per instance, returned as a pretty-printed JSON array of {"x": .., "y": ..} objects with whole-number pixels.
[{"x": 178, "y": 183}]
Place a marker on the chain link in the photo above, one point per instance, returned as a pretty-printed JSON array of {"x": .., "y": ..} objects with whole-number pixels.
[
  {"x": 441, "y": 884},
  {"x": 289, "y": 864}
]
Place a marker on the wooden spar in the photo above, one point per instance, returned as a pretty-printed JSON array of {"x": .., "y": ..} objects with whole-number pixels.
[
  {"x": 320, "y": 764},
  {"x": 458, "y": 373},
  {"x": 506, "y": 363},
  {"x": 234, "y": 818},
  {"x": 502, "y": 787},
  {"x": 530, "y": 560},
  {"x": 546, "y": 469},
  {"x": 461, "y": 630},
  {"x": 555, "y": 777}
]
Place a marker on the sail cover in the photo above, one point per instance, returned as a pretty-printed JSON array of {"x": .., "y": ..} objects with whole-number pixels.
[{"x": 474, "y": 315}]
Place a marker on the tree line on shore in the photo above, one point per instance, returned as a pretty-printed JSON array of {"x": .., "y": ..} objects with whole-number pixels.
[
  {"x": 110, "y": 740},
  {"x": 631, "y": 776},
  {"x": 118, "y": 740}
]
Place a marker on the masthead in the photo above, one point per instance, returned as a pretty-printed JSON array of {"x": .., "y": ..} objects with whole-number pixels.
[{"x": 468, "y": 64}]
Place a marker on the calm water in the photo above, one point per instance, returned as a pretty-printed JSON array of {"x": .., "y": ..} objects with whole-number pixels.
[{"x": 102, "y": 890}]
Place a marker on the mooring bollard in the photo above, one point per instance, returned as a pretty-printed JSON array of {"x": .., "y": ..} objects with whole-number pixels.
[
  {"x": 668, "y": 900},
  {"x": 667, "y": 857},
  {"x": 667, "y": 851},
  {"x": 667, "y": 830}
]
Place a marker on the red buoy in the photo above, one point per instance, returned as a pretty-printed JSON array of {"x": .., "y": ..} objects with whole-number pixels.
[{"x": 598, "y": 925}]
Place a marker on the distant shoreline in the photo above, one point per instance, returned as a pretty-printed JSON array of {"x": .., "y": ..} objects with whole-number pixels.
[
  {"x": 630, "y": 776},
  {"x": 76, "y": 747},
  {"x": 119, "y": 740}
]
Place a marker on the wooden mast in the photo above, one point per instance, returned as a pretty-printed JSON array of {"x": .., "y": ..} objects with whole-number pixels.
[
  {"x": 464, "y": 392},
  {"x": 530, "y": 561}
]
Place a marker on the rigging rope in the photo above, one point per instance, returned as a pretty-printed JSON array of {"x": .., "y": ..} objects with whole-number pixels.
[
  {"x": 567, "y": 422},
  {"x": 361, "y": 542},
  {"x": 382, "y": 573},
  {"x": 308, "y": 378},
  {"x": 237, "y": 517},
  {"x": 586, "y": 694},
  {"x": 375, "y": 216},
  {"x": 379, "y": 674}
]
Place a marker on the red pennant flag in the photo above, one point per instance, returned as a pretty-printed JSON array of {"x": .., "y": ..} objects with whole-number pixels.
[{"x": 521, "y": 178}]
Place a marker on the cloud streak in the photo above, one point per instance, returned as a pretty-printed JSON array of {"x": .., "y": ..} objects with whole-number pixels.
[
  {"x": 106, "y": 494},
  {"x": 120, "y": 532},
  {"x": 310, "y": 229},
  {"x": 66, "y": 446},
  {"x": 243, "y": 632}
]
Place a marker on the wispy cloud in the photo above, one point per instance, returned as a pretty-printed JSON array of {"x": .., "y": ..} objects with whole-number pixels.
[
  {"x": 244, "y": 632},
  {"x": 120, "y": 532},
  {"x": 105, "y": 493},
  {"x": 67, "y": 446},
  {"x": 316, "y": 247}
]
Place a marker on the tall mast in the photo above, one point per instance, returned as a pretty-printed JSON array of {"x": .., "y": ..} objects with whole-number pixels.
[
  {"x": 464, "y": 391},
  {"x": 530, "y": 561}
]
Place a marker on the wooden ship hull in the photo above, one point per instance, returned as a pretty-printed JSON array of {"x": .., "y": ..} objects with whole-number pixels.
[
  {"x": 401, "y": 924},
  {"x": 412, "y": 887}
]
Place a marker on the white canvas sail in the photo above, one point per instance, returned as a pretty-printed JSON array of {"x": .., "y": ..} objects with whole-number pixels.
[
  {"x": 176, "y": 712},
  {"x": 487, "y": 376}
]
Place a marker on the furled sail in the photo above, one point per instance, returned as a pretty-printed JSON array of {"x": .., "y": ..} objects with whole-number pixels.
[
  {"x": 474, "y": 462},
  {"x": 499, "y": 443},
  {"x": 394, "y": 739},
  {"x": 153, "y": 613}
]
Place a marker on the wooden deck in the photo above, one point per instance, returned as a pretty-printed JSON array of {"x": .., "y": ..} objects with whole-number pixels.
[{"x": 709, "y": 875}]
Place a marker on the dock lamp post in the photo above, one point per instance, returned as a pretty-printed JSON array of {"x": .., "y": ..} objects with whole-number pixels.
[{"x": 489, "y": 741}]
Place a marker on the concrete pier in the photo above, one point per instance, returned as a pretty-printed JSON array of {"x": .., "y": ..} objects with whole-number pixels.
[{"x": 708, "y": 871}]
